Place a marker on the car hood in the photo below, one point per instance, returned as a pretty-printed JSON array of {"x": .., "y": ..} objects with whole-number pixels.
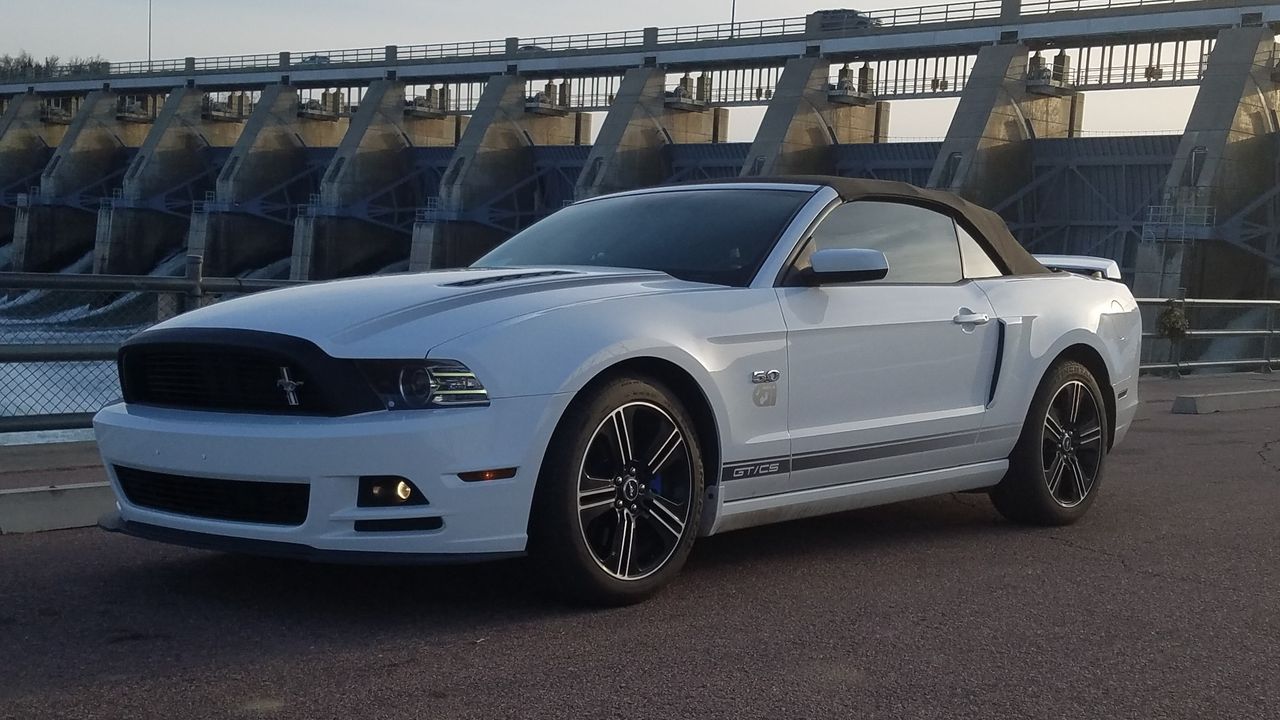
[{"x": 396, "y": 316}]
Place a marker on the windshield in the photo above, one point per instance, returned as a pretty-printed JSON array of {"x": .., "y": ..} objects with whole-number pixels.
[{"x": 718, "y": 236}]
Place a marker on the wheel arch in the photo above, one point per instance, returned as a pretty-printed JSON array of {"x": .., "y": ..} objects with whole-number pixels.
[
  {"x": 687, "y": 389},
  {"x": 1088, "y": 356}
]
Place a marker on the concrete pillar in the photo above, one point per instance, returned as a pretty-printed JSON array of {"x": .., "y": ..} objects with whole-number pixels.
[
  {"x": 628, "y": 152},
  {"x": 172, "y": 170},
  {"x": 986, "y": 156},
  {"x": 1226, "y": 158},
  {"x": 59, "y": 225},
  {"x": 1010, "y": 11},
  {"x": 801, "y": 126},
  {"x": 26, "y": 143},
  {"x": 270, "y": 171},
  {"x": 337, "y": 237},
  {"x": 490, "y": 175}
]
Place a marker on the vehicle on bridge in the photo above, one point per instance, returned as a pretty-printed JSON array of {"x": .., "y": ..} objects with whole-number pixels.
[
  {"x": 631, "y": 373},
  {"x": 845, "y": 19}
]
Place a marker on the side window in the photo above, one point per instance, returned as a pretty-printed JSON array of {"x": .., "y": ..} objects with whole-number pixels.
[
  {"x": 977, "y": 263},
  {"x": 919, "y": 243}
]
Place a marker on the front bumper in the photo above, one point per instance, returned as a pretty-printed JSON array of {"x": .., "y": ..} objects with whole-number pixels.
[
  {"x": 113, "y": 523},
  {"x": 429, "y": 448}
]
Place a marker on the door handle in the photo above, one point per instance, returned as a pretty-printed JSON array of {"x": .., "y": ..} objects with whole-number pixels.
[{"x": 971, "y": 318}]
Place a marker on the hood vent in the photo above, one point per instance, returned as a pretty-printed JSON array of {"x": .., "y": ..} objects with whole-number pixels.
[{"x": 493, "y": 279}]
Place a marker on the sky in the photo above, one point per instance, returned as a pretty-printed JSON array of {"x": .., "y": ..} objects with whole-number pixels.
[{"x": 117, "y": 30}]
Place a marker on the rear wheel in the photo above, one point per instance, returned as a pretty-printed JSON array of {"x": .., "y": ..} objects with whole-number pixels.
[
  {"x": 615, "y": 513},
  {"x": 1056, "y": 468}
]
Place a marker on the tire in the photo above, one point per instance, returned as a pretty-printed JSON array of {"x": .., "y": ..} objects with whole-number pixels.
[
  {"x": 610, "y": 526},
  {"x": 1057, "y": 466}
]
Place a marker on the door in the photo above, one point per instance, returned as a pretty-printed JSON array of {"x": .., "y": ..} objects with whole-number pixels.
[{"x": 886, "y": 377}]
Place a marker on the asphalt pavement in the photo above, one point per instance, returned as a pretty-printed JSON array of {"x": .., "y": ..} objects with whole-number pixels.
[{"x": 1162, "y": 603}]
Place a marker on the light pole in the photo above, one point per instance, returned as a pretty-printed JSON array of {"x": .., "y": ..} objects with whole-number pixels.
[
  {"x": 148, "y": 35},
  {"x": 733, "y": 12}
]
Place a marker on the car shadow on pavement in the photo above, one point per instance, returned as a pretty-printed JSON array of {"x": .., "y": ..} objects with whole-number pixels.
[
  {"x": 153, "y": 607},
  {"x": 389, "y": 596},
  {"x": 901, "y": 527}
]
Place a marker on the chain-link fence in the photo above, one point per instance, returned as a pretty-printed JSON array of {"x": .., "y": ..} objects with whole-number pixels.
[{"x": 59, "y": 335}]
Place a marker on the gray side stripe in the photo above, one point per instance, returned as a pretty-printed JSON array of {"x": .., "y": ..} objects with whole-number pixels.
[
  {"x": 1002, "y": 432},
  {"x": 877, "y": 452},
  {"x": 862, "y": 453}
]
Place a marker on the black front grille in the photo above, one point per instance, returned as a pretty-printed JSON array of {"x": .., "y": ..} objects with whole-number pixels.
[
  {"x": 216, "y": 378},
  {"x": 241, "y": 371},
  {"x": 268, "y": 503}
]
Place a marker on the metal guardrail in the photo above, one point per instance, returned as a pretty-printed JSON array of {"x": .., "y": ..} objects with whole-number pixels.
[
  {"x": 1190, "y": 215},
  {"x": 59, "y": 335},
  {"x": 775, "y": 27},
  {"x": 195, "y": 286},
  {"x": 1219, "y": 334}
]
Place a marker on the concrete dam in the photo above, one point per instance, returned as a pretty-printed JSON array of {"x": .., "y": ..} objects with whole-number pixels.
[{"x": 334, "y": 163}]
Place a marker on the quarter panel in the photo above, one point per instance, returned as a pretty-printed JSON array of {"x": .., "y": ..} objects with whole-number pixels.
[{"x": 1044, "y": 315}]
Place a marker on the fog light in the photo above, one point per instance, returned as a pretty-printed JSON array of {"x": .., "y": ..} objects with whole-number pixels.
[{"x": 388, "y": 491}]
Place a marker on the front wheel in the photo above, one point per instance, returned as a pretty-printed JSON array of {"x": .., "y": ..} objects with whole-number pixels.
[
  {"x": 1056, "y": 468},
  {"x": 616, "y": 509}
]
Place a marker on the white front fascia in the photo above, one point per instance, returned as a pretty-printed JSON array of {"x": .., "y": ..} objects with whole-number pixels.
[{"x": 428, "y": 447}]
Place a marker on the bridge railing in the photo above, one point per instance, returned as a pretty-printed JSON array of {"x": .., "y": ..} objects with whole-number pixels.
[
  {"x": 775, "y": 27},
  {"x": 927, "y": 14},
  {"x": 236, "y": 62},
  {"x": 143, "y": 67},
  {"x": 1041, "y": 7},
  {"x": 823, "y": 22},
  {"x": 320, "y": 58},
  {"x": 59, "y": 335},
  {"x": 1189, "y": 71},
  {"x": 436, "y": 51},
  {"x": 582, "y": 41}
]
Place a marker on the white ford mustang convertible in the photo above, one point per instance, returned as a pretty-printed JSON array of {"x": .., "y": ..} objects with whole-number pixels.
[{"x": 625, "y": 376}]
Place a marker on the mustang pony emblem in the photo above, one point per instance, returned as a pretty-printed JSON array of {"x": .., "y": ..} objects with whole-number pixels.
[{"x": 289, "y": 386}]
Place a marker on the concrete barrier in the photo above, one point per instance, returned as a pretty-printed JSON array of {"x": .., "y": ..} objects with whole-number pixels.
[
  {"x": 1225, "y": 401},
  {"x": 25, "y": 510},
  {"x": 52, "y": 486}
]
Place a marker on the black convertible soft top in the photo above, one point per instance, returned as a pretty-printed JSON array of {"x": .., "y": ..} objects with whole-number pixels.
[{"x": 988, "y": 228}]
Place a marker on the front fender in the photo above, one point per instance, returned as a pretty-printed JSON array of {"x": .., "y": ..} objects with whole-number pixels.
[{"x": 718, "y": 337}]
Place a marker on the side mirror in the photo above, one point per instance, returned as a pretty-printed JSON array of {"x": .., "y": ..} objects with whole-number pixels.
[{"x": 847, "y": 265}]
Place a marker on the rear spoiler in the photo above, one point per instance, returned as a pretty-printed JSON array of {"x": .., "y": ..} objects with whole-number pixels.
[{"x": 1082, "y": 264}]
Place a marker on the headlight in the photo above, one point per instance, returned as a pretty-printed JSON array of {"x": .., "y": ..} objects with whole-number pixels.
[{"x": 418, "y": 384}]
